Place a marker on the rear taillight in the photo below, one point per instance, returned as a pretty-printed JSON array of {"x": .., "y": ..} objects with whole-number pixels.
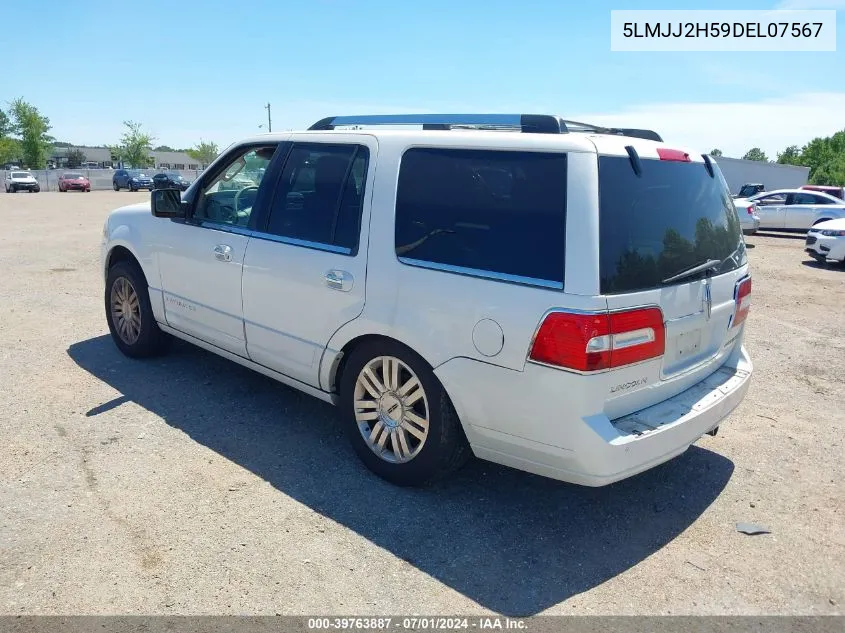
[
  {"x": 743, "y": 301},
  {"x": 751, "y": 210},
  {"x": 590, "y": 342}
]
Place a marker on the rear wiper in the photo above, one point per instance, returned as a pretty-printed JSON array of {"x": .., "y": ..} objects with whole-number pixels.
[{"x": 689, "y": 272}]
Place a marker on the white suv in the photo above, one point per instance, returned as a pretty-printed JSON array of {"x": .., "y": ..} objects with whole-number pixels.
[{"x": 556, "y": 297}]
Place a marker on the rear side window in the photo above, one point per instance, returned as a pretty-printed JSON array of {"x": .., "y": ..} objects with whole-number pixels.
[
  {"x": 807, "y": 198},
  {"x": 320, "y": 194},
  {"x": 484, "y": 211},
  {"x": 670, "y": 218}
]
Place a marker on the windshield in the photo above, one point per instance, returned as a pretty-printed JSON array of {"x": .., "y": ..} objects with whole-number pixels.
[
  {"x": 173, "y": 176},
  {"x": 136, "y": 173},
  {"x": 72, "y": 176},
  {"x": 21, "y": 174},
  {"x": 671, "y": 218}
]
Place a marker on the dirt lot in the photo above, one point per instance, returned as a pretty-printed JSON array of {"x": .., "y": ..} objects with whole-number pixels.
[{"x": 190, "y": 485}]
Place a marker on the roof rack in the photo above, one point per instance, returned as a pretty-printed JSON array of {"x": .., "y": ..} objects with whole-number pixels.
[{"x": 526, "y": 123}]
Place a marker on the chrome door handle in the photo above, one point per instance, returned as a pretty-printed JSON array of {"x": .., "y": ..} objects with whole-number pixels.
[
  {"x": 339, "y": 280},
  {"x": 223, "y": 253}
]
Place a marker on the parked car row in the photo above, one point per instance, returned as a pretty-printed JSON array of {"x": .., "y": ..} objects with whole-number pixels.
[{"x": 134, "y": 179}]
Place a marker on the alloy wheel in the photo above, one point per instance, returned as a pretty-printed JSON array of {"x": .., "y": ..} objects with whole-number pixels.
[
  {"x": 125, "y": 310},
  {"x": 391, "y": 409}
]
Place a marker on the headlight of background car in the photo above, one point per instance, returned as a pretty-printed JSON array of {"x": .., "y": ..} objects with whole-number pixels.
[{"x": 831, "y": 233}]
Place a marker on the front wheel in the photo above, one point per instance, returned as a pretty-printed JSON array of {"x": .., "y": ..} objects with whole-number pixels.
[
  {"x": 129, "y": 313},
  {"x": 115, "y": 186},
  {"x": 398, "y": 416}
]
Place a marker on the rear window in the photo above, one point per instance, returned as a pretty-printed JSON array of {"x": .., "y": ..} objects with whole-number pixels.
[
  {"x": 483, "y": 211},
  {"x": 669, "y": 219}
]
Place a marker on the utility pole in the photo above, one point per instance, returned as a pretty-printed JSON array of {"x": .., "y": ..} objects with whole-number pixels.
[{"x": 269, "y": 120}]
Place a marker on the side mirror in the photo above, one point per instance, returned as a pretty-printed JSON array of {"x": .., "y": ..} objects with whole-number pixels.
[{"x": 167, "y": 203}]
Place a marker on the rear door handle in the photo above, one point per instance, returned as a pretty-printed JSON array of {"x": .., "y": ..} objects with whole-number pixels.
[
  {"x": 339, "y": 280},
  {"x": 223, "y": 253}
]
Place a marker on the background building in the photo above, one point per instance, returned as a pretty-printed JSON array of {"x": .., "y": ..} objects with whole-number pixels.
[
  {"x": 101, "y": 157},
  {"x": 771, "y": 175}
]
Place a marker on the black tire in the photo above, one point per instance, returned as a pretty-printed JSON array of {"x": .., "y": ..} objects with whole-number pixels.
[
  {"x": 131, "y": 188},
  {"x": 36, "y": 190},
  {"x": 115, "y": 186},
  {"x": 151, "y": 340},
  {"x": 13, "y": 189},
  {"x": 445, "y": 449}
]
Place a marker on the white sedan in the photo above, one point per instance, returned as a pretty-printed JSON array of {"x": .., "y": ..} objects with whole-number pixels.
[
  {"x": 749, "y": 221},
  {"x": 826, "y": 241},
  {"x": 796, "y": 208}
]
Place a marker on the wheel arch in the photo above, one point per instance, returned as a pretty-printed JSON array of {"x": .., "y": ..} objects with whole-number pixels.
[{"x": 335, "y": 363}]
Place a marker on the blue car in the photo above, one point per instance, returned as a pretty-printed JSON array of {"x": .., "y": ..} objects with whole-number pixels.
[{"x": 132, "y": 179}]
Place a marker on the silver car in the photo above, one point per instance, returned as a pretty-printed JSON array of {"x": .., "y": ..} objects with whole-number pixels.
[
  {"x": 796, "y": 208},
  {"x": 749, "y": 221}
]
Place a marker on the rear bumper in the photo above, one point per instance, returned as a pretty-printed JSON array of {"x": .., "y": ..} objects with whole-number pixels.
[
  {"x": 752, "y": 226},
  {"x": 590, "y": 450}
]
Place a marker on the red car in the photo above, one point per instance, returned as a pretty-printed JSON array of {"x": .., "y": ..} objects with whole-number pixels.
[
  {"x": 837, "y": 192},
  {"x": 74, "y": 181}
]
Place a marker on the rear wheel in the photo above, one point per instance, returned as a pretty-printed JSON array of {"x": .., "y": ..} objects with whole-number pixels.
[
  {"x": 398, "y": 416},
  {"x": 129, "y": 313},
  {"x": 115, "y": 186}
]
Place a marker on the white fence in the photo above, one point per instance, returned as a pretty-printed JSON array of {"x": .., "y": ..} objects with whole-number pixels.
[{"x": 100, "y": 178}]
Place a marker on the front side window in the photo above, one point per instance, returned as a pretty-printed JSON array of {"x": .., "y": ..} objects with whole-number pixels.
[
  {"x": 228, "y": 198},
  {"x": 484, "y": 211},
  {"x": 773, "y": 199},
  {"x": 320, "y": 194}
]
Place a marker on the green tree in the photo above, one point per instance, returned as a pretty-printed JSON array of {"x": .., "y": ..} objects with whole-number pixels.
[
  {"x": 134, "y": 147},
  {"x": 164, "y": 148},
  {"x": 716, "y": 152},
  {"x": 204, "y": 152},
  {"x": 790, "y": 156},
  {"x": 32, "y": 127},
  {"x": 755, "y": 153},
  {"x": 10, "y": 150},
  {"x": 6, "y": 127},
  {"x": 75, "y": 158},
  {"x": 826, "y": 159}
]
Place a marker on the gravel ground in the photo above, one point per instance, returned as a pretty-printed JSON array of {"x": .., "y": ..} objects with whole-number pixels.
[{"x": 190, "y": 485}]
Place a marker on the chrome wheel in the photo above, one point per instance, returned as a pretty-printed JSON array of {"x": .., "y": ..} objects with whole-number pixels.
[
  {"x": 391, "y": 409},
  {"x": 125, "y": 310}
]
